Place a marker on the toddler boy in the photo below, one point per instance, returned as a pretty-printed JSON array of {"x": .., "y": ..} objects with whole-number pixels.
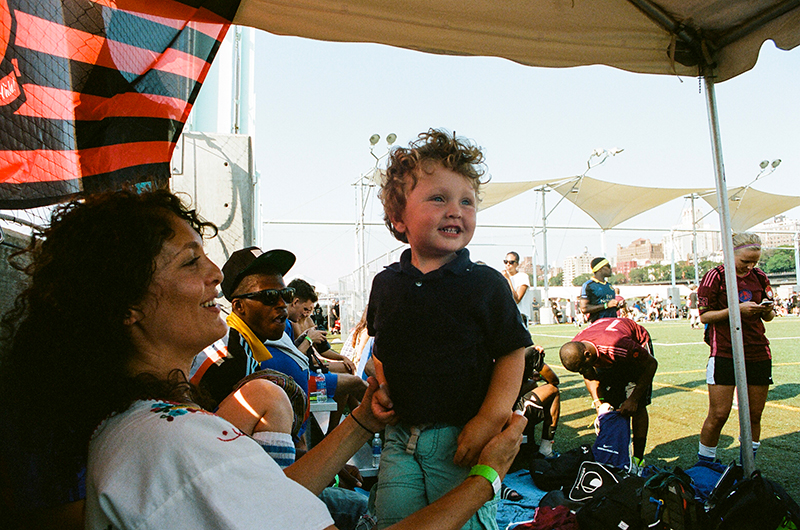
[{"x": 449, "y": 340}]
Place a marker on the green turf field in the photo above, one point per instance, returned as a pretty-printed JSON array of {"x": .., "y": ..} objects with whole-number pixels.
[{"x": 680, "y": 400}]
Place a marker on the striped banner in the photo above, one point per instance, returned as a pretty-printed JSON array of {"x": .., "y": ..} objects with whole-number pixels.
[{"x": 94, "y": 93}]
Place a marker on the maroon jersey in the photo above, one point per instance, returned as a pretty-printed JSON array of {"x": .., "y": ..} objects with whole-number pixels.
[
  {"x": 616, "y": 340},
  {"x": 711, "y": 296}
]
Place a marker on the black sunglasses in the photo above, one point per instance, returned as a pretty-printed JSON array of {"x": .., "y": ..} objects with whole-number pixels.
[
  {"x": 270, "y": 296},
  {"x": 509, "y": 262}
]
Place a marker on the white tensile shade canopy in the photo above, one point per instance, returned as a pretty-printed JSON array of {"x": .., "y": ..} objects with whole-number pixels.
[
  {"x": 713, "y": 39},
  {"x": 494, "y": 193},
  {"x": 749, "y": 207},
  {"x": 610, "y": 204}
]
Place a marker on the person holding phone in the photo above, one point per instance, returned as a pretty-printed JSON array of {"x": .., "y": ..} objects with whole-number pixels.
[{"x": 756, "y": 306}]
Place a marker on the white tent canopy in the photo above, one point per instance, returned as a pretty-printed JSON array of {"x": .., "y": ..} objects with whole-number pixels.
[{"x": 636, "y": 35}]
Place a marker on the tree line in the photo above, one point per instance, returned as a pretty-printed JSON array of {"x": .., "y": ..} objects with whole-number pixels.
[{"x": 773, "y": 261}]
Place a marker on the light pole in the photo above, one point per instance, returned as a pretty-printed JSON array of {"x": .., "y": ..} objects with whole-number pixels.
[
  {"x": 366, "y": 181},
  {"x": 692, "y": 197},
  {"x": 766, "y": 168},
  {"x": 797, "y": 262},
  {"x": 602, "y": 155}
]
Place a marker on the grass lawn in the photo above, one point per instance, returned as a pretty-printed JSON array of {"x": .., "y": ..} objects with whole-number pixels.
[{"x": 680, "y": 400}]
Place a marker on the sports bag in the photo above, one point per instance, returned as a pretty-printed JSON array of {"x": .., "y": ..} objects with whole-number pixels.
[
  {"x": 556, "y": 473},
  {"x": 668, "y": 502},
  {"x": 618, "y": 508},
  {"x": 613, "y": 440},
  {"x": 756, "y": 503},
  {"x": 593, "y": 480}
]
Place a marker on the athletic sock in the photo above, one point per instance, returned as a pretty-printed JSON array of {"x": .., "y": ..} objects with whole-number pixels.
[
  {"x": 278, "y": 445},
  {"x": 546, "y": 447},
  {"x": 707, "y": 454},
  {"x": 756, "y": 445}
]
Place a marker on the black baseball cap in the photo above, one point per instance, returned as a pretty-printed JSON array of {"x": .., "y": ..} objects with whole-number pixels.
[{"x": 252, "y": 260}]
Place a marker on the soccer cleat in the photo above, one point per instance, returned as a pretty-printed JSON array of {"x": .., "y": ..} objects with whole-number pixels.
[{"x": 637, "y": 466}]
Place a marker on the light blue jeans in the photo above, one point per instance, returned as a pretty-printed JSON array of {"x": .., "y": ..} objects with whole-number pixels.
[{"x": 409, "y": 482}]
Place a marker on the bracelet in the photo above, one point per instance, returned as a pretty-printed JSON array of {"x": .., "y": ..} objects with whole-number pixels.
[
  {"x": 597, "y": 402},
  {"x": 309, "y": 339},
  {"x": 373, "y": 433},
  {"x": 489, "y": 474},
  {"x": 605, "y": 305}
]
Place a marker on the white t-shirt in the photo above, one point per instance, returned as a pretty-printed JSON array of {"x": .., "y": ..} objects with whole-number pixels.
[
  {"x": 524, "y": 305},
  {"x": 162, "y": 465}
]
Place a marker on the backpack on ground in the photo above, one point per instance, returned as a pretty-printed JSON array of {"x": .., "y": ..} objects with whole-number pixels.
[
  {"x": 593, "y": 480},
  {"x": 668, "y": 502},
  {"x": 713, "y": 481},
  {"x": 618, "y": 508},
  {"x": 556, "y": 473},
  {"x": 756, "y": 503}
]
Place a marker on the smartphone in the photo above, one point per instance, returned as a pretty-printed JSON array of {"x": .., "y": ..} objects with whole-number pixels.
[{"x": 766, "y": 302}]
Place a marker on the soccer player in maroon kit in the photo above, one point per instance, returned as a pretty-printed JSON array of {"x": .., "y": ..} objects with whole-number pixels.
[
  {"x": 615, "y": 358},
  {"x": 756, "y": 307}
]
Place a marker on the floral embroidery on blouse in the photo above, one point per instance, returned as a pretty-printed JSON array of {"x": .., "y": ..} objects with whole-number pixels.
[{"x": 169, "y": 411}]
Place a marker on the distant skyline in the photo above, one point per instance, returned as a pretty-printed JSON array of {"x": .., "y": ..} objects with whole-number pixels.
[{"x": 318, "y": 103}]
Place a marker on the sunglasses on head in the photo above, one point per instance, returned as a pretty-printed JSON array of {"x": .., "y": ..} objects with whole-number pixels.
[
  {"x": 270, "y": 296},
  {"x": 507, "y": 262}
]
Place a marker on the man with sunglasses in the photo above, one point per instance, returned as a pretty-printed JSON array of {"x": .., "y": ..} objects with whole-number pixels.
[
  {"x": 615, "y": 358},
  {"x": 257, "y": 340},
  {"x": 253, "y": 282},
  {"x": 520, "y": 285},
  {"x": 256, "y": 316}
]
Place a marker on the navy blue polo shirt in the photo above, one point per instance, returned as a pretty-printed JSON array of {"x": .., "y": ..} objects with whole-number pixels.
[{"x": 439, "y": 334}]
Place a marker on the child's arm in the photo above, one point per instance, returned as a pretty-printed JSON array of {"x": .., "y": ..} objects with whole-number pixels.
[{"x": 496, "y": 408}]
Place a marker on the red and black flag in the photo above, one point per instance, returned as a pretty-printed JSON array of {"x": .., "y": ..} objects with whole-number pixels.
[{"x": 94, "y": 93}]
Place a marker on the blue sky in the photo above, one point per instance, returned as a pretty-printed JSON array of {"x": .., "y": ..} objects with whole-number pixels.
[{"x": 318, "y": 103}]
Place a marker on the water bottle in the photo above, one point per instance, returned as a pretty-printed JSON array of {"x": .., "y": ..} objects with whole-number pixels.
[
  {"x": 322, "y": 391},
  {"x": 376, "y": 450},
  {"x": 312, "y": 389}
]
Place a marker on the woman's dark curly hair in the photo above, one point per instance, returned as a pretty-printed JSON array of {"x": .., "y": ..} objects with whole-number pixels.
[
  {"x": 431, "y": 148},
  {"x": 65, "y": 348}
]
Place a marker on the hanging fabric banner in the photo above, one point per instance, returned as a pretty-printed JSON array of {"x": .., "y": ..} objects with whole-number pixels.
[{"x": 94, "y": 93}]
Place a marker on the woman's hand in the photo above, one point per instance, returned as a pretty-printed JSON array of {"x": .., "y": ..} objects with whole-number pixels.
[
  {"x": 750, "y": 309},
  {"x": 375, "y": 410}
]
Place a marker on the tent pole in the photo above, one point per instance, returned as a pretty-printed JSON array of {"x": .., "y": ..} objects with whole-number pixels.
[
  {"x": 694, "y": 245},
  {"x": 546, "y": 282},
  {"x": 735, "y": 317},
  {"x": 797, "y": 262}
]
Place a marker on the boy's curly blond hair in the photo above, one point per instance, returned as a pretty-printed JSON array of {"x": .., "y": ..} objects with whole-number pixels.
[{"x": 436, "y": 146}]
